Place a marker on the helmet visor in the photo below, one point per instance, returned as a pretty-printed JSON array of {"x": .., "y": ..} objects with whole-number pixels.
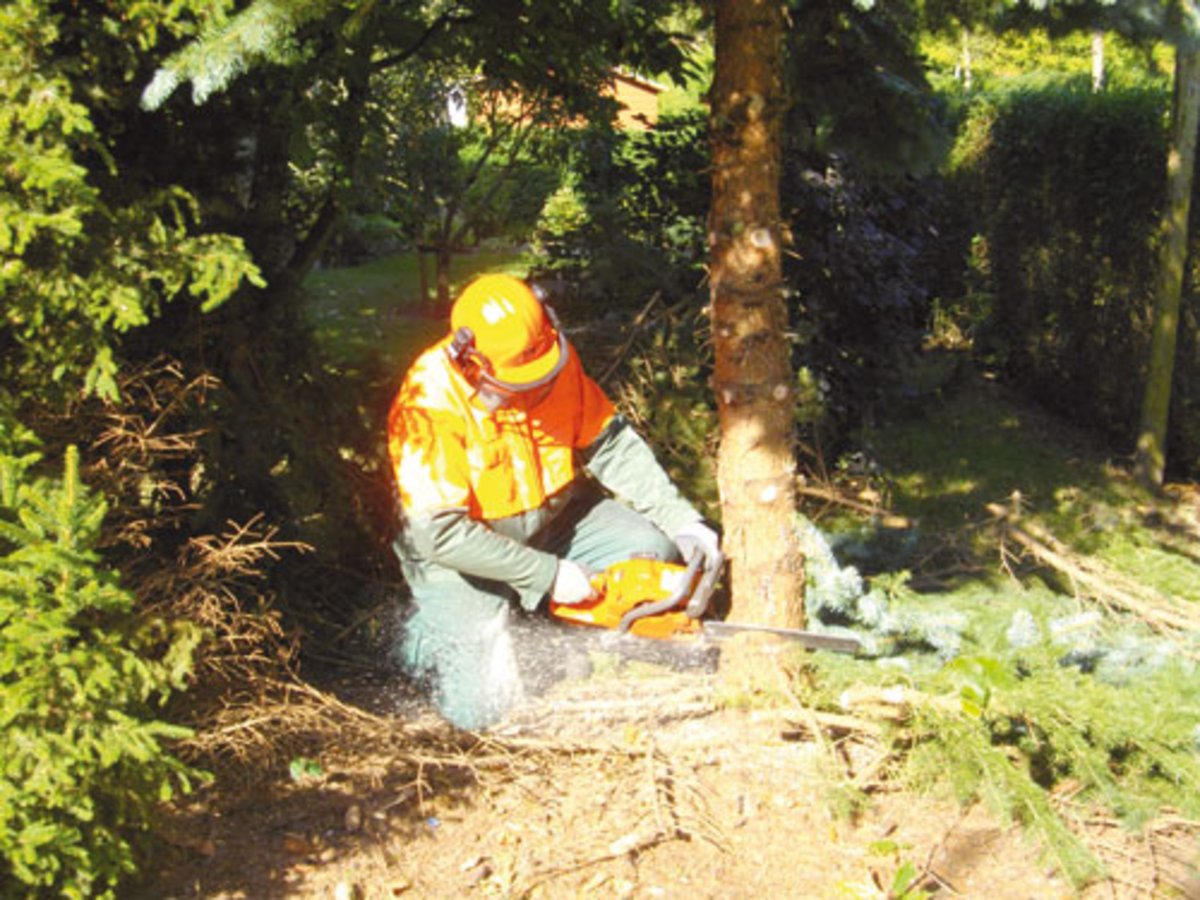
[{"x": 536, "y": 366}]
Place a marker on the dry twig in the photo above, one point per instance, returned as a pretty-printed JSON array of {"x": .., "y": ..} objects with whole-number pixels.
[
  {"x": 1094, "y": 580},
  {"x": 641, "y": 319}
]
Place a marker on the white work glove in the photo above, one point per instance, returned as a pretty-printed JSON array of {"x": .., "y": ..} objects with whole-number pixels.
[
  {"x": 698, "y": 538},
  {"x": 572, "y": 584}
]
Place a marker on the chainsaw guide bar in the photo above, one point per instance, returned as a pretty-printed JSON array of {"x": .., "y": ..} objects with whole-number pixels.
[
  {"x": 811, "y": 639},
  {"x": 653, "y": 599}
]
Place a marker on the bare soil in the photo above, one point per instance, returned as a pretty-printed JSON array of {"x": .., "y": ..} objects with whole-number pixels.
[{"x": 641, "y": 782}]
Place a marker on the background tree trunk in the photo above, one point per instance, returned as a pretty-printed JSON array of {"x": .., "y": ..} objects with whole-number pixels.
[
  {"x": 444, "y": 259},
  {"x": 1150, "y": 459},
  {"x": 753, "y": 377},
  {"x": 1099, "y": 73},
  {"x": 965, "y": 62},
  {"x": 427, "y": 296}
]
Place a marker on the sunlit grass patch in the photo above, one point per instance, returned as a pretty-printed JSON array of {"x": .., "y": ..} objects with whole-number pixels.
[
  {"x": 373, "y": 312},
  {"x": 980, "y": 447}
]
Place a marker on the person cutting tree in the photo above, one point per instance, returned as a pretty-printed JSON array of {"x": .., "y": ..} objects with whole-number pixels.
[{"x": 517, "y": 478}]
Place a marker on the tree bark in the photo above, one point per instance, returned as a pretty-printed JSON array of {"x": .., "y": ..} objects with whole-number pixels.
[
  {"x": 753, "y": 377},
  {"x": 1099, "y": 72},
  {"x": 966, "y": 64},
  {"x": 308, "y": 251},
  {"x": 1150, "y": 459},
  {"x": 444, "y": 258}
]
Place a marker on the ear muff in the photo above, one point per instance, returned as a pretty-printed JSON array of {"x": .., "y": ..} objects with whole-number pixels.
[{"x": 468, "y": 359}]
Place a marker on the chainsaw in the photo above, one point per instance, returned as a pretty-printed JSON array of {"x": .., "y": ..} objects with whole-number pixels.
[{"x": 666, "y": 601}]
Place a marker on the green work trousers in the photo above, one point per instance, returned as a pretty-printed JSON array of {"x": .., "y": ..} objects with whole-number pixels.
[{"x": 456, "y": 639}]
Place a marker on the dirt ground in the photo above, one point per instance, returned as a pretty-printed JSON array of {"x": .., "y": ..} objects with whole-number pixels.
[{"x": 642, "y": 782}]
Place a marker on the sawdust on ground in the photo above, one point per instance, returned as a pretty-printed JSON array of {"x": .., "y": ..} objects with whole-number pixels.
[{"x": 618, "y": 786}]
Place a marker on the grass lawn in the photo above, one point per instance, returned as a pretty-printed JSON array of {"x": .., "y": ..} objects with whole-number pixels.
[
  {"x": 980, "y": 446},
  {"x": 373, "y": 311}
]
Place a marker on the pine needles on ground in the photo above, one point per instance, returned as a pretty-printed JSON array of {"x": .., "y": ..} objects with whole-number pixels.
[
  {"x": 1064, "y": 679},
  {"x": 1027, "y": 728},
  {"x": 1023, "y": 727}
]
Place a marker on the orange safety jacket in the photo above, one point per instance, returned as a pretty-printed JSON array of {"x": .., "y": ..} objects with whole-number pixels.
[
  {"x": 476, "y": 485},
  {"x": 447, "y": 450}
]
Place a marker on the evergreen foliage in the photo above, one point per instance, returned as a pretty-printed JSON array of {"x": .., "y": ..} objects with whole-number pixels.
[
  {"x": 1001, "y": 689},
  {"x": 561, "y": 46},
  {"x": 867, "y": 259},
  {"x": 1010, "y": 716},
  {"x": 858, "y": 88},
  {"x": 1024, "y": 724},
  {"x": 79, "y": 266},
  {"x": 228, "y": 46},
  {"x": 643, "y": 200},
  {"x": 838, "y": 599},
  {"x": 83, "y": 757}
]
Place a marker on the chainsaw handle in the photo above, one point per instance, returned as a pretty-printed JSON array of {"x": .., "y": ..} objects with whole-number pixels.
[
  {"x": 669, "y": 603},
  {"x": 698, "y": 605}
]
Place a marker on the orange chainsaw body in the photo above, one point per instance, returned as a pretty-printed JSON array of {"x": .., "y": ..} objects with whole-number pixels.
[{"x": 624, "y": 586}]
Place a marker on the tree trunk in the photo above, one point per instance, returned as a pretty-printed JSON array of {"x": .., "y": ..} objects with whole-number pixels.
[
  {"x": 1099, "y": 75},
  {"x": 753, "y": 378},
  {"x": 308, "y": 252},
  {"x": 965, "y": 64},
  {"x": 1150, "y": 459},
  {"x": 423, "y": 251},
  {"x": 443, "y": 276}
]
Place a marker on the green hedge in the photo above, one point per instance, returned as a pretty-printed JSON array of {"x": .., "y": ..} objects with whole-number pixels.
[{"x": 1065, "y": 188}]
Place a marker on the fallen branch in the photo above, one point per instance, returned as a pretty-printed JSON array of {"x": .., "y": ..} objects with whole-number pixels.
[
  {"x": 889, "y": 520},
  {"x": 837, "y": 725},
  {"x": 1103, "y": 584},
  {"x": 630, "y": 846}
]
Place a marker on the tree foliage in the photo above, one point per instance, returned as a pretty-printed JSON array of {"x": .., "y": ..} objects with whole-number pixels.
[
  {"x": 638, "y": 200},
  {"x": 870, "y": 257},
  {"x": 81, "y": 263},
  {"x": 1028, "y": 701},
  {"x": 1124, "y": 750},
  {"x": 84, "y": 754},
  {"x": 859, "y": 87},
  {"x": 1035, "y": 57},
  {"x": 558, "y": 47},
  {"x": 486, "y": 176},
  {"x": 90, "y": 253}
]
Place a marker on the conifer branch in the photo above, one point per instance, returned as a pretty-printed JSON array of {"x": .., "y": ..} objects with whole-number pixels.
[
  {"x": 401, "y": 56},
  {"x": 262, "y": 32}
]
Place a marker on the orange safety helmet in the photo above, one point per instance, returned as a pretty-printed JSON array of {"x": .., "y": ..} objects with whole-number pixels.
[{"x": 504, "y": 337}]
